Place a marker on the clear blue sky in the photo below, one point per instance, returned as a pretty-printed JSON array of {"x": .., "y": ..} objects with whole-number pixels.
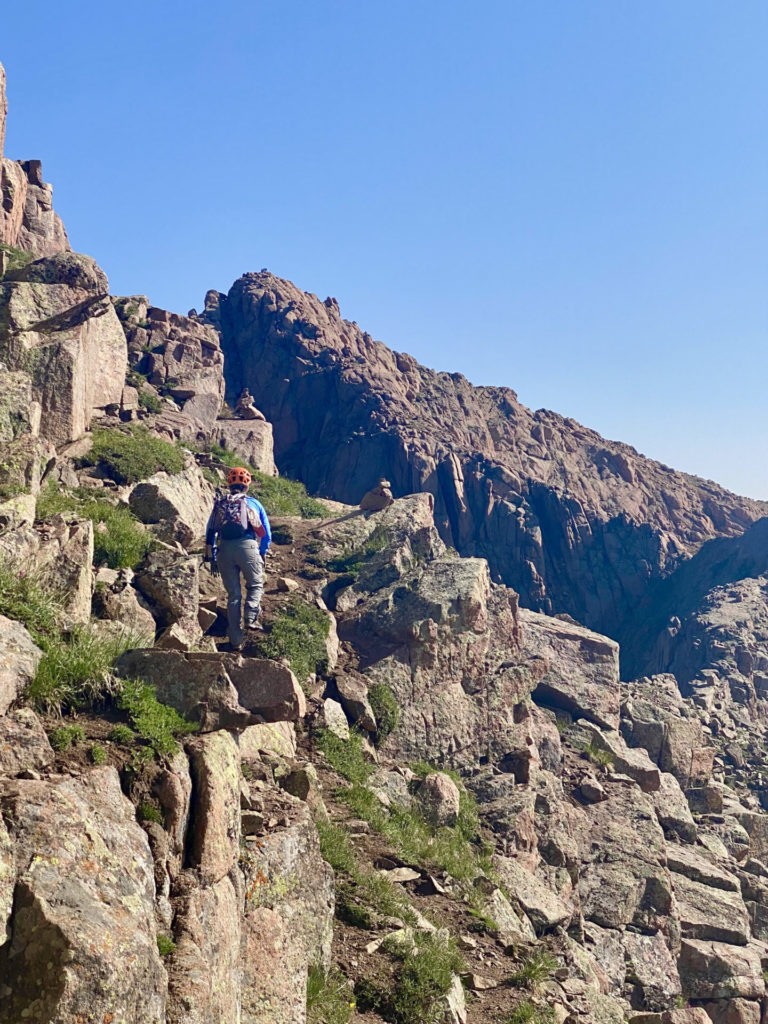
[{"x": 565, "y": 196}]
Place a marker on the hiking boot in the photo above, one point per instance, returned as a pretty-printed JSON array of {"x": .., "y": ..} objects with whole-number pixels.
[{"x": 254, "y": 626}]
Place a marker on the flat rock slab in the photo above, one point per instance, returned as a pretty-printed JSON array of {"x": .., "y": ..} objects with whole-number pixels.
[
  {"x": 583, "y": 675},
  {"x": 707, "y": 913},
  {"x": 220, "y": 691},
  {"x": 716, "y": 970},
  {"x": 700, "y": 868}
]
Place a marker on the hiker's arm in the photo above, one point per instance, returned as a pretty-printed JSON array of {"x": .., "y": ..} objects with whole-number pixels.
[
  {"x": 210, "y": 538},
  {"x": 266, "y": 540}
]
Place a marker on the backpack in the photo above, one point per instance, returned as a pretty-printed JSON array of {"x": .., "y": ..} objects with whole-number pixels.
[{"x": 231, "y": 517}]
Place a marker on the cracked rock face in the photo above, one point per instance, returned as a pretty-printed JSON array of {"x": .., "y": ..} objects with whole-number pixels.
[
  {"x": 82, "y": 931},
  {"x": 58, "y": 325}
]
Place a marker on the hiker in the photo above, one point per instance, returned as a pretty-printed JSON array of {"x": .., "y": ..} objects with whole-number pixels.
[
  {"x": 246, "y": 409},
  {"x": 237, "y": 538},
  {"x": 377, "y": 499}
]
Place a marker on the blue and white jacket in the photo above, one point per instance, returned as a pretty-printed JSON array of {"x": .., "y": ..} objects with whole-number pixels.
[{"x": 258, "y": 508}]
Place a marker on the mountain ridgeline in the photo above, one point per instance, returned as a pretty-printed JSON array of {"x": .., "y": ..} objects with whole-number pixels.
[{"x": 573, "y": 522}]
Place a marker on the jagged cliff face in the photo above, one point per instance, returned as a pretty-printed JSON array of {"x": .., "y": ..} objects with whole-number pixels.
[{"x": 573, "y": 522}]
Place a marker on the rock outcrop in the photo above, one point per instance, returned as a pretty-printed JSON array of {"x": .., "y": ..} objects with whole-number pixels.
[
  {"x": 58, "y": 325},
  {"x": 573, "y": 522}
]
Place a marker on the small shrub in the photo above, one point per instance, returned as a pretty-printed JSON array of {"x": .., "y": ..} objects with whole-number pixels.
[
  {"x": 329, "y": 998},
  {"x": 346, "y": 756},
  {"x": 298, "y": 632},
  {"x": 165, "y": 945},
  {"x": 535, "y": 968},
  {"x": 128, "y": 456},
  {"x": 122, "y": 734},
  {"x": 426, "y": 976},
  {"x": 385, "y": 709},
  {"x": 97, "y": 754},
  {"x": 148, "y": 812},
  {"x": 351, "y": 560},
  {"x": 135, "y": 379},
  {"x": 156, "y": 723},
  {"x": 149, "y": 401},
  {"x": 73, "y": 672},
  {"x": 527, "y": 1013},
  {"x": 66, "y": 736},
  {"x": 599, "y": 757}
]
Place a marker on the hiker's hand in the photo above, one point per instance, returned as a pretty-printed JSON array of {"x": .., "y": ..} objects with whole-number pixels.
[
  {"x": 214, "y": 567},
  {"x": 208, "y": 556}
]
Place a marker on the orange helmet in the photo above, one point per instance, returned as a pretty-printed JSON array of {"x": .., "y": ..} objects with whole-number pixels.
[{"x": 239, "y": 475}]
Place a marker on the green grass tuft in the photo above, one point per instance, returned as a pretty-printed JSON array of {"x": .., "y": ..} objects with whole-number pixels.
[
  {"x": 283, "y": 497},
  {"x": 536, "y": 967},
  {"x": 120, "y": 541},
  {"x": 149, "y": 812},
  {"x": 335, "y": 847},
  {"x": 527, "y": 1013},
  {"x": 367, "y": 894},
  {"x": 385, "y": 709},
  {"x": 165, "y": 945},
  {"x": 128, "y": 456},
  {"x": 329, "y": 997},
  {"x": 66, "y": 736},
  {"x": 73, "y": 672},
  {"x": 122, "y": 734},
  {"x": 149, "y": 401},
  {"x": 599, "y": 757},
  {"x": 346, "y": 757},
  {"x": 17, "y": 257},
  {"x": 156, "y": 723},
  {"x": 298, "y": 632},
  {"x": 97, "y": 754},
  {"x": 23, "y": 598},
  {"x": 425, "y": 978}
]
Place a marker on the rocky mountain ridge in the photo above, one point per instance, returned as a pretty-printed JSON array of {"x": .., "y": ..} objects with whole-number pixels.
[
  {"x": 573, "y": 522},
  {"x": 409, "y": 798}
]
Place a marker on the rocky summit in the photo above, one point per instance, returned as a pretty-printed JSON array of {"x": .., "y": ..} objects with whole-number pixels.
[{"x": 496, "y": 751}]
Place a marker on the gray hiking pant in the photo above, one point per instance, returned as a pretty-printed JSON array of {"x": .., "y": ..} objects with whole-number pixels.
[{"x": 235, "y": 557}]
